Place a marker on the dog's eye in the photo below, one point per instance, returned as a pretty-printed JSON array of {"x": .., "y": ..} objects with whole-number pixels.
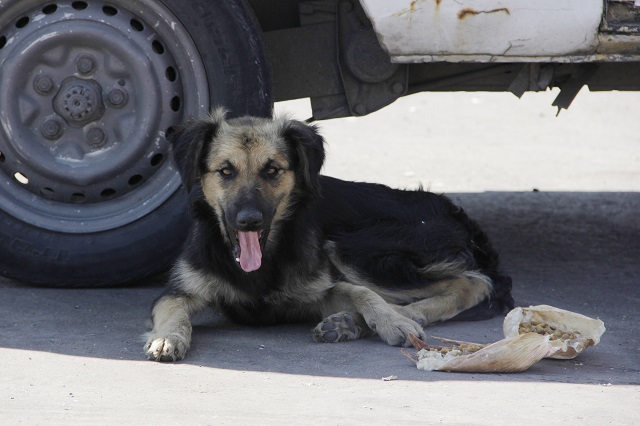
[
  {"x": 227, "y": 172},
  {"x": 271, "y": 171}
]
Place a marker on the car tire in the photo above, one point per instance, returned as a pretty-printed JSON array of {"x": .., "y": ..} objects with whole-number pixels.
[{"x": 89, "y": 195}]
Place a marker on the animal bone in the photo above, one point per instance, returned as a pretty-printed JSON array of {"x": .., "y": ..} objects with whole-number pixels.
[
  {"x": 570, "y": 332},
  {"x": 530, "y": 334}
]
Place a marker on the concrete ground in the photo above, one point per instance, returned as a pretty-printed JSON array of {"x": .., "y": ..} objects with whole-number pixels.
[{"x": 560, "y": 199}]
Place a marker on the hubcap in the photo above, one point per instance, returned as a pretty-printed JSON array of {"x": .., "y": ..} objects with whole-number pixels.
[
  {"x": 79, "y": 101},
  {"x": 88, "y": 92}
]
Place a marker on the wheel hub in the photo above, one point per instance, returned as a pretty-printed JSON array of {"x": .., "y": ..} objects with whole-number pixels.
[
  {"x": 86, "y": 103},
  {"x": 79, "y": 101}
]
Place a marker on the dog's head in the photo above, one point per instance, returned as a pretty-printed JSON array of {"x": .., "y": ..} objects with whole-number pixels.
[{"x": 252, "y": 171}]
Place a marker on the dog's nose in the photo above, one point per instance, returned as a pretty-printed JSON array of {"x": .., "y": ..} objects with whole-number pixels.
[{"x": 249, "y": 219}]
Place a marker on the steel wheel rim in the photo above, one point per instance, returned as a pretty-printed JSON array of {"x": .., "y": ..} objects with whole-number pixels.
[{"x": 80, "y": 149}]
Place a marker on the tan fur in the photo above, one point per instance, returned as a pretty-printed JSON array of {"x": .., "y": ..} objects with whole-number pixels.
[
  {"x": 248, "y": 149},
  {"x": 171, "y": 335},
  {"x": 378, "y": 315},
  {"x": 448, "y": 298},
  {"x": 438, "y": 301},
  {"x": 199, "y": 284},
  {"x": 352, "y": 307}
]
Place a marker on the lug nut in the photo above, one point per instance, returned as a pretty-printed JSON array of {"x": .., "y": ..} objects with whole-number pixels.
[
  {"x": 96, "y": 137},
  {"x": 51, "y": 129},
  {"x": 85, "y": 64},
  {"x": 360, "y": 109},
  {"x": 397, "y": 88},
  {"x": 43, "y": 84},
  {"x": 118, "y": 97}
]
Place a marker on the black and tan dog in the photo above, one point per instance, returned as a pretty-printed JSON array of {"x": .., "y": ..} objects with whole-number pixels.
[{"x": 273, "y": 241}]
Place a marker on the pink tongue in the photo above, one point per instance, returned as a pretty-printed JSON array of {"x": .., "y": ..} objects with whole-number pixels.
[{"x": 250, "y": 254}]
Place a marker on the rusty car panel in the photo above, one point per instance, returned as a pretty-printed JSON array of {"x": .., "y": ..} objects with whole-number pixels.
[{"x": 414, "y": 31}]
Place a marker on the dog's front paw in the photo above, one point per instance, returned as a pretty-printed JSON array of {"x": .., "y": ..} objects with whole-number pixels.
[
  {"x": 395, "y": 329},
  {"x": 412, "y": 313},
  {"x": 337, "y": 328},
  {"x": 167, "y": 348}
]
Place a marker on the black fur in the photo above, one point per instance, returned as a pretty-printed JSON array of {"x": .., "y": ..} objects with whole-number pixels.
[
  {"x": 190, "y": 141},
  {"x": 390, "y": 236},
  {"x": 387, "y": 235},
  {"x": 334, "y": 234},
  {"x": 306, "y": 147}
]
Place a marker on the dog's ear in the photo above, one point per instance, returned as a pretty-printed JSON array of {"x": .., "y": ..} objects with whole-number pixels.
[
  {"x": 308, "y": 148},
  {"x": 191, "y": 141}
]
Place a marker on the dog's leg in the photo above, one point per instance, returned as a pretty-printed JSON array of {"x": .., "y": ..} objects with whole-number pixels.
[
  {"x": 188, "y": 292},
  {"x": 360, "y": 312},
  {"x": 170, "y": 337},
  {"x": 447, "y": 298}
]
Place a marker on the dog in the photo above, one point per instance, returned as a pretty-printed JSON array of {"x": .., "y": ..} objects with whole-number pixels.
[{"x": 273, "y": 241}]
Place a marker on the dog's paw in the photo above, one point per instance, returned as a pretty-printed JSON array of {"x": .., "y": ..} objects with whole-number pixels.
[
  {"x": 167, "y": 348},
  {"x": 395, "y": 329},
  {"x": 412, "y": 313},
  {"x": 337, "y": 328}
]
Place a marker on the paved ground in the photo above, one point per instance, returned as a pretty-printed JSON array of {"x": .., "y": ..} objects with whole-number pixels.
[{"x": 74, "y": 356}]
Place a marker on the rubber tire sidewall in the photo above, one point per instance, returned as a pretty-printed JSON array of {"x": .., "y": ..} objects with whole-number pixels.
[
  {"x": 217, "y": 25},
  {"x": 232, "y": 50}
]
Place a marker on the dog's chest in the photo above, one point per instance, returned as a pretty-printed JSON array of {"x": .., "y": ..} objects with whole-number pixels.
[{"x": 299, "y": 289}]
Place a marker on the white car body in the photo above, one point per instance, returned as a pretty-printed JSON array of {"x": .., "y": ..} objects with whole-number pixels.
[{"x": 414, "y": 31}]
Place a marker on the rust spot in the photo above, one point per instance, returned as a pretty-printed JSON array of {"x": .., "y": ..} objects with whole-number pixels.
[
  {"x": 467, "y": 12},
  {"x": 464, "y": 13},
  {"x": 413, "y": 7}
]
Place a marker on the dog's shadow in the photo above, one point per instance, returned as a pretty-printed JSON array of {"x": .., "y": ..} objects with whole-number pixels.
[
  {"x": 560, "y": 249},
  {"x": 290, "y": 349}
]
